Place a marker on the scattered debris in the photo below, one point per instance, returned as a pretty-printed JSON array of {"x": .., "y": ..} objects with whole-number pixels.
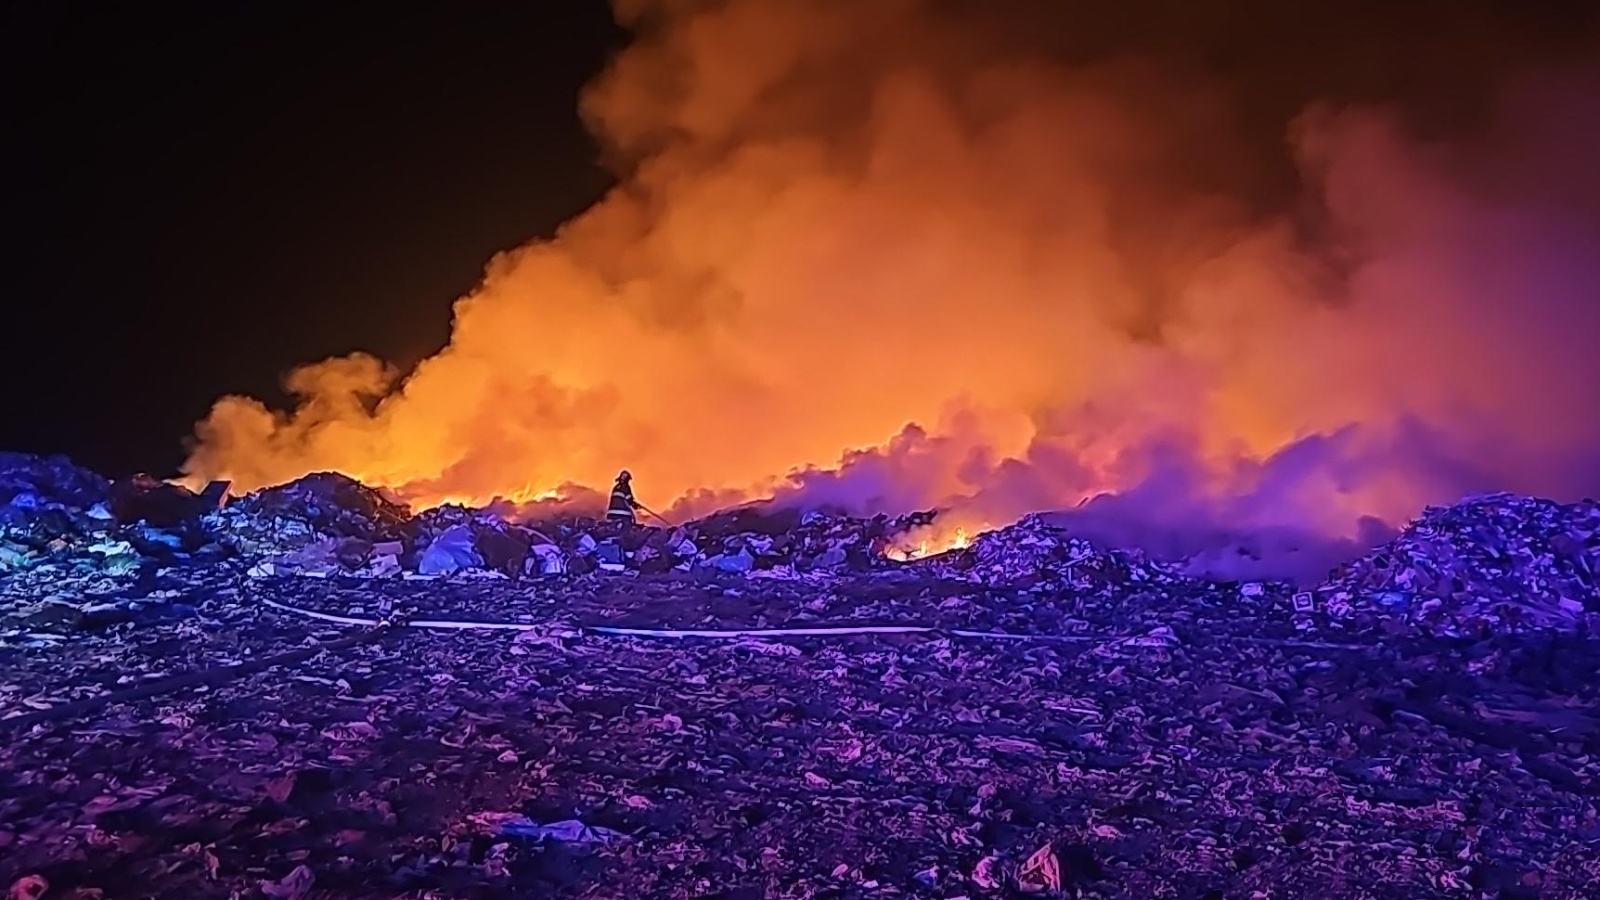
[
  {"x": 294, "y": 886},
  {"x": 28, "y": 887},
  {"x": 1031, "y": 714},
  {"x": 569, "y": 831},
  {"x": 1042, "y": 872}
]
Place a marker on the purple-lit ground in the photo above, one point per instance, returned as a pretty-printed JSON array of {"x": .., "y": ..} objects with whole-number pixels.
[{"x": 1230, "y": 758}]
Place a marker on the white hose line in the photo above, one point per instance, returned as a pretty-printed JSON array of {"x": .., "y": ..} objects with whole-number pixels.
[
  {"x": 762, "y": 632},
  {"x": 1057, "y": 638},
  {"x": 415, "y": 623},
  {"x": 828, "y": 631},
  {"x": 325, "y": 617}
]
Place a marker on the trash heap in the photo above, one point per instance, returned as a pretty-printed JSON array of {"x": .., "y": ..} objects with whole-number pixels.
[
  {"x": 1490, "y": 564},
  {"x": 320, "y": 525},
  {"x": 454, "y": 539},
  {"x": 324, "y": 503},
  {"x": 1494, "y": 563},
  {"x": 46, "y": 504},
  {"x": 327, "y": 524},
  {"x": 789, "y": 543},
  {"x": 1034, "y": 554},
  {"x": 35, "y": 484},
  {"x": 753, "y": 541}
]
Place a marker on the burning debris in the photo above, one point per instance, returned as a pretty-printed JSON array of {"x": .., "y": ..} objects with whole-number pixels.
[{"x": 769, "y": 697}]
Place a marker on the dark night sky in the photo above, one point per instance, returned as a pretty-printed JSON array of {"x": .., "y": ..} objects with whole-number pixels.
[{"x": 202, "y": 196}]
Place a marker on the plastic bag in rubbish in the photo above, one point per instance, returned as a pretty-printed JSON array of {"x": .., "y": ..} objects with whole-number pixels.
[
  {"x": 570, "y": 831},
  {"x": 736, "y": 562},
  {"x": 451, "y": 551},
  {"x": 549, "y": 559}
]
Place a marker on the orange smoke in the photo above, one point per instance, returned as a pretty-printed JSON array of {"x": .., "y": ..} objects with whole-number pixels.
[{"x": 835, "y": 220}]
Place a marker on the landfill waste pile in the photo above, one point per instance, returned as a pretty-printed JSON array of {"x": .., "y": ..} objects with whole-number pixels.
[
  {"x": 1489, "y": 564},
  {"x": 314, "y": 692},
  {"x": 45, "y": 503},
  {"x": 58, "y": 517}
]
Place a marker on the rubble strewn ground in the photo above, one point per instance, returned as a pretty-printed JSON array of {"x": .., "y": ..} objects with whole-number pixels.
[{"x": 1067, "y": 720}]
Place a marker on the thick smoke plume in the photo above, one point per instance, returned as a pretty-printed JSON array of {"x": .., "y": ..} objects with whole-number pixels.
[{"x": 901, "y": 253}]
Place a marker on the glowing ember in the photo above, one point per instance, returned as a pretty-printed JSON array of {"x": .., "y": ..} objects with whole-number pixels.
[{"x": 929, "y": 546}]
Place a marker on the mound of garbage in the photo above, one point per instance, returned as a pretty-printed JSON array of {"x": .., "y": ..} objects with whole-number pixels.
[
  {"x": 43, "y": 502},
  {"x": 1493, "y": 563},
  {"x": 58, "y": 517},
  {"x": 1036, "y": 554}
]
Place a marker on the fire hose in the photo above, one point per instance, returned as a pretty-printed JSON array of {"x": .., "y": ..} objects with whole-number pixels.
[
  {"x": 657, "y": 516},
  {"x": 376, "y": 629},
  {"x": 814, "y": 631}
]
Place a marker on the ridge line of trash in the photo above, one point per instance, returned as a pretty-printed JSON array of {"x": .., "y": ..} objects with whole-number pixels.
[{"x": 1488, "y": 565}]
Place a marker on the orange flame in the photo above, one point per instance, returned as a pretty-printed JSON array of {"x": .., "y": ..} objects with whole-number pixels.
[{"x": 929, "y": 541}]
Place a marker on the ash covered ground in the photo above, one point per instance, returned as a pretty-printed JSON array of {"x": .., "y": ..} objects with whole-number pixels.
[{"x": 311, "y": 693}]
